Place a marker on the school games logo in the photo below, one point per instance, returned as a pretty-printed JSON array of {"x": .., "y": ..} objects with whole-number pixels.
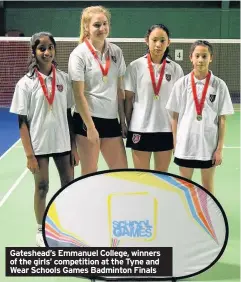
[
  {"x": 132, "y": 229},
  {"x": 212, "y": 97},
  {"x": 128, "y": 220},
  {"x": 136, "y": 138},
  {"x": 60, "y": 87},
  {"x": 168, "y": 77}
]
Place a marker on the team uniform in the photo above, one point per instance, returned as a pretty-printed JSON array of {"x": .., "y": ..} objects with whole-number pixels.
[
  {"x": 49, "y": 130},
  {"x": 197, "y": 140},
  {"x": 101, "y": 95},
  {"x": 150, "y": 125}
]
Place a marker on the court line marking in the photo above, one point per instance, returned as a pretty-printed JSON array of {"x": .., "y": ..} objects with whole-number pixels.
[
  {"x": 4, "y": 154},
  {"x": 19, "y": 147},
  {"x": 231, "y": 147},
  {"x": 14, "y": 186},
  {"x": 6, "y": 196}
]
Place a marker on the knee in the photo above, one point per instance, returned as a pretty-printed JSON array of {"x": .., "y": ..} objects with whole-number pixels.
[
  {"x": 208, "y": 186},
  {"x": 88, "y": 170},
  {"x": 66, "y": 180},
  {"x": 162, "y": 168},
  {"x": 42, "y": 189}
]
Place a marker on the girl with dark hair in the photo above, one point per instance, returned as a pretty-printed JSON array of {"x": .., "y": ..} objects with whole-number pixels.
[
  {"x": 148, "y": 84},
  {"x": 42, "y": 100},
  {"x": 34, "y": 42},
  {"x": 199, "y": 103}
]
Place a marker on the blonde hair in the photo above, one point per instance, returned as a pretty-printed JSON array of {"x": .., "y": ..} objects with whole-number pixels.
[{"x": 86, "y": 16}]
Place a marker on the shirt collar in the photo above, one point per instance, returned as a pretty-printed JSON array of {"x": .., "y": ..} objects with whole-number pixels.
[
  {"x": 106, "y": 47},
  {"x": 46, "y": 76},
  {"x": 167, "y": 59},
  {"x": 197, "y": 81}
]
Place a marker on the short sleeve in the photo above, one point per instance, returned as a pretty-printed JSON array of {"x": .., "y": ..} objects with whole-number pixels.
[
  {"x": 180, "y": 72},
  {"x": 173, "y": 103},
  {"x": 70, "y": 94},
  {"x": 130, "y": 79},
  {"x": 122, "y": 67},
  {"x": 225, "y": 106},
  {"x": 20, "y": 100},
  {"x": 76, "y": 68}
]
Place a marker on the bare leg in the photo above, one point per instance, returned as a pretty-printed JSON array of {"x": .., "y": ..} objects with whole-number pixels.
[
  {"x": 88, "y": 153},
  {"x": 186, "y": 172},
  {"x": 41, "y": 188},
  {"x": 141, "y": 159},
  {"x": 65, "y": 169},
  {"x": 162, "y": 160},
  {"x": 113, "y": 151},
  {"x": 208, "y": 178}
]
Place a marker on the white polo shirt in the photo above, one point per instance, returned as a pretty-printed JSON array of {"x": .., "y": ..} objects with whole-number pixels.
[
  {"x": 101, "y": 96},
  {"x": 49, "y": 130},
  {"x": 197, "y": 140},
  {"x": 150, "y": 115}
]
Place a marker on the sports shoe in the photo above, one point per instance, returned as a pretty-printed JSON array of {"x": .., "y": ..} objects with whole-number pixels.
[{"x": 39, "y": 239}]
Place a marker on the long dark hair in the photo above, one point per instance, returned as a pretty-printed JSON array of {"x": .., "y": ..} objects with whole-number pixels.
[
  {"x": 161, "y": 26},
  {"x": 34, "y": 41}
]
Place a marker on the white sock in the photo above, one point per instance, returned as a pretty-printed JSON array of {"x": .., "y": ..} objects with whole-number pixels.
[{"x": 39, "y": 227}]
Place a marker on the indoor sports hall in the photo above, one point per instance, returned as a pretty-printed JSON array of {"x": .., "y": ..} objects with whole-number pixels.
[{"x": 220, "y": 22}]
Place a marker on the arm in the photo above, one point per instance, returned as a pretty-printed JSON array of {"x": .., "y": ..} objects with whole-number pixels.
[
  {"x": 129, "y": 106},
  {"x": 32, "y": 163},
  {"x": 83, "y": 110},
  {"x": 174, "y": 121},
  {"x": 221, "y": 132},
  {"x": 74, "y": 154},
  {"x": 217, "y": 157},
  {"x": 173, "y": 107},
  {"x": 121, "y": 109}
]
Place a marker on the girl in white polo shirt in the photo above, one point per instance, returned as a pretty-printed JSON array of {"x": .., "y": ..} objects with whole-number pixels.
[
  {"x": 96, "y": 68},
  {"x": 148, "y": 84},
  {"x": 42, "y": 100},
  {"x": 199, "y": 103}
]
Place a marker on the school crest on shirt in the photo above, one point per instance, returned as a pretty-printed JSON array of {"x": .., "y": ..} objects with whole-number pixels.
[
  {"x": 212, "y": 98},
  {"x": 136, "y": 138},
  {"x": 60, "y": 87},
  {"x": 168, "y": 77},
  {"x": 114, "y": 59}
]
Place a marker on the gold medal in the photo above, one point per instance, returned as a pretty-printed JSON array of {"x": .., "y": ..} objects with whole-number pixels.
[
  {"x": 199, "y": 105},
  {"x": 50, "y": 107},
  {"x": 105, "y": 79},
  {"x": 156, "y": 87},
  {"x": 105, "y": 70}
]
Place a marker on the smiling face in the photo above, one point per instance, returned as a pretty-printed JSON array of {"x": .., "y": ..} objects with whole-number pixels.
[
  {"x": 157, "y": 42},
  {"x": 98, "y": 28},
  {"x": 201, "y": 58},
  {"x": 45, "y": 51}
]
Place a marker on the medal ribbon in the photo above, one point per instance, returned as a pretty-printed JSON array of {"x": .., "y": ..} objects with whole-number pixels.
[
  {"x": 50, "y": 98},
  {"x": 107, "y": 66},
  {"x": 157, "y": 87},
  {"x": 199, "y": 106}
]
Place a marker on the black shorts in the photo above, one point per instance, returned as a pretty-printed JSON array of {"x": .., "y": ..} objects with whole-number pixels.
[
  {"x": 150, "y": 142},
  {"x": 107, "y": 128},
  {"x": 53, "y": 155},
  {"x": 193, "y": 163}
]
